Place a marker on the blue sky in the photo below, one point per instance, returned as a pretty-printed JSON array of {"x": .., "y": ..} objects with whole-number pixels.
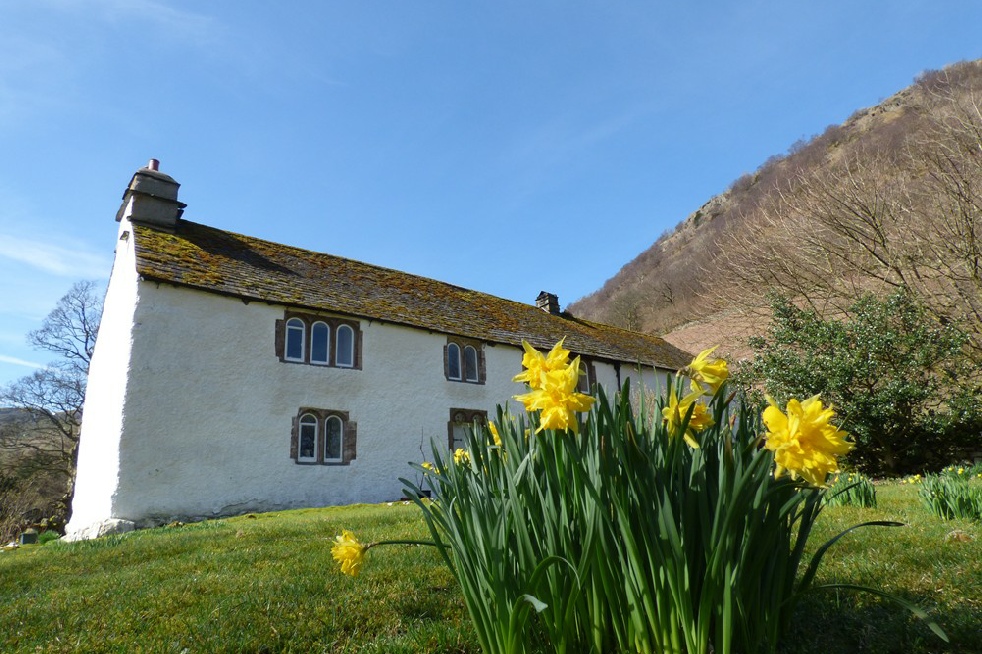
[{"x": 509, "y": 147}]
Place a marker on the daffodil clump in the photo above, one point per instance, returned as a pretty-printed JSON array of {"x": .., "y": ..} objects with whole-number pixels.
[
  {"x": 956, "y": 492},
  {"x": 591, "y": 523},
  {"x": 851, "y": 489}
]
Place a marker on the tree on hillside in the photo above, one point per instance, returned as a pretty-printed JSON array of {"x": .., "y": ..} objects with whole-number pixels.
[
  {"x": 43, "y": 439},
  {"x": 904, "y": 221},
  {"x": 897, "y": 380}
]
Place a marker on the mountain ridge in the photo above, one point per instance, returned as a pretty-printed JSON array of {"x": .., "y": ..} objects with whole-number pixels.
[{"x": 684, "y": 287}]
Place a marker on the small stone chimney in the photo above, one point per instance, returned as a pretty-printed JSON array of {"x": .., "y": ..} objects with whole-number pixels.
[
  {"x": 151, "y": 199},
  {"x": 548, "y": 302}
]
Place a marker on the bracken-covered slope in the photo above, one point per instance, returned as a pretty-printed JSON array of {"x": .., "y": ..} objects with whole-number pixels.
[{"x": 700, "y": 284}]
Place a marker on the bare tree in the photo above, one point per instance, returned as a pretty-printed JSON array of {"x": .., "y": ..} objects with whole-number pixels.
[
  {"x": 70, "y": 330},
  {"x": 906, "y": 221},
  {"x": 44, "y": 437}
]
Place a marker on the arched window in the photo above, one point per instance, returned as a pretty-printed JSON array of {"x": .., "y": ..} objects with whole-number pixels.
[
  {"x": 307, "y": 451},
  {"x": 453, "y": 361},
  {"x": 584, "y": 380},
  {"x": 326, "y": 437},
  {"x": 320, "y": 340},
  {"x": 463, "y": 360},
  {"x": 333, "y": 439},
  {"x": 470, "y": 364},
  {"x": 295, "y": 331},
  {"x": 345, "y": 356}
]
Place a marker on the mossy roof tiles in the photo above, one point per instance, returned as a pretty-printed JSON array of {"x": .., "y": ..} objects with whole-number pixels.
[{"x": 209, "y": 259}]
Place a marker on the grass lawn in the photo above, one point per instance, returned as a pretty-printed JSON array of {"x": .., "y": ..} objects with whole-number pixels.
[{"x": 267, "y": 583}]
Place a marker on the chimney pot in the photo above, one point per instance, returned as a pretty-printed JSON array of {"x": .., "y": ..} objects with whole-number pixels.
[{"x": 154, "y": 164}]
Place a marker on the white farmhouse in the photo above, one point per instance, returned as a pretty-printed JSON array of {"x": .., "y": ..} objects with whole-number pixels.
[{"x": 232, "y": 374}]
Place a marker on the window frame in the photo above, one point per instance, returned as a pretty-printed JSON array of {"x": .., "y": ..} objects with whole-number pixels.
[
  {"x": 294, "y": 325},
  {"x": 463, "y": 418},
  {"x": 327, "y": 433},
  {"x": 337, "y": 347},
  {"x": 327, "y": 344},
  {"x": 471, "y": 368},
  {"x": 313, "y": 422},
  {"x": 586, "y": 381},
  {"x": 454, "y": 362},
  {"x": 460, "y": 346},
  {"x": 321, "y": 418},
  {"x": 294, "y": 322}
]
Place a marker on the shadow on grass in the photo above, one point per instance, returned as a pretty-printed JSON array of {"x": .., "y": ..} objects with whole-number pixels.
[
  {"x": 843, "y": 622},
  {"x": 422, "y": 607}
]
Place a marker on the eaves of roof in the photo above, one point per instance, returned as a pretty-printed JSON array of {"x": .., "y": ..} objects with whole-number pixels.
[{"x": 217, "y": 261}]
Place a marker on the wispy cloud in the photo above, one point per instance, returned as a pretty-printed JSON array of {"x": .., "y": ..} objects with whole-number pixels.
[
  {"x": 20, "y": 362},
  {"x": 569, "y": 136},
  {"x": 558, "y": 146},
  {"x": 24, "y": 61},
  {"x": 46, "y": 46},
  {"x": 58, "y": 260},
  {"x": 177, "y": 23}
]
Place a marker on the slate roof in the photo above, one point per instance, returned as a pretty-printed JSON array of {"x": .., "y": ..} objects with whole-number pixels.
[{"x": 213, "y": 260}]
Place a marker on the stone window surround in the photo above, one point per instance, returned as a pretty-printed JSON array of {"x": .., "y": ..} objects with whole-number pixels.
[
  {"x": 463, "y": 417},
  {"x": 461, "y": 343},
  {"x": 349, "y": 437},
  {"x": 586, "y": 381},
  {"x": 332, "y": 322}
]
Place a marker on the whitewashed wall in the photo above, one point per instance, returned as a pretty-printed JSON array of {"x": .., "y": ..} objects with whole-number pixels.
[
  {"x": 98, "y": 456},
  {"x": 189, "y": 410},
  {"x": 612, "y": 377},
  {"x": 209, "y": 409}
]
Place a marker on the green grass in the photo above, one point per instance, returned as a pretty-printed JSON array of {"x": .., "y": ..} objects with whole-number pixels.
[
  {"x": 935, "y": 563},
  {"x": 267, "y": 583},
  {"x": 251, "y": 584}
]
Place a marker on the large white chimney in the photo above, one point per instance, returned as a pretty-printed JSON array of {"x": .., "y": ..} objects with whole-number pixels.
[{"x": 151, "y": 199}]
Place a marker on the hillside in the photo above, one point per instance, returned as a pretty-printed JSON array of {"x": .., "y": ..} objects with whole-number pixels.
[{"x": 873, "y": 203}]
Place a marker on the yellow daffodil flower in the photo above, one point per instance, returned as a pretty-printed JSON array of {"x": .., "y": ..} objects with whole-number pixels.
[
  {"x": 804, "y": 443},
  {"x": 557, "y": 399},
  {"x": 461, "y": 456},
  {"x": 348, "y": 552},
  {"x": 674, "y": 413},
  {"x": 712, "y": 372},
  {"x": 494, "y": 433},
  {"x": 426, "y": 465},
  {"x": 538, "y": 365}
]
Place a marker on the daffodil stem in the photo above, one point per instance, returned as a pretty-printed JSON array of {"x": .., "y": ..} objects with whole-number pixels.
[{"x": 428, "y": 543}]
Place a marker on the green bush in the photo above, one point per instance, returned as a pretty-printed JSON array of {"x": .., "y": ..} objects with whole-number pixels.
[{"x": 900, "y": 382}]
